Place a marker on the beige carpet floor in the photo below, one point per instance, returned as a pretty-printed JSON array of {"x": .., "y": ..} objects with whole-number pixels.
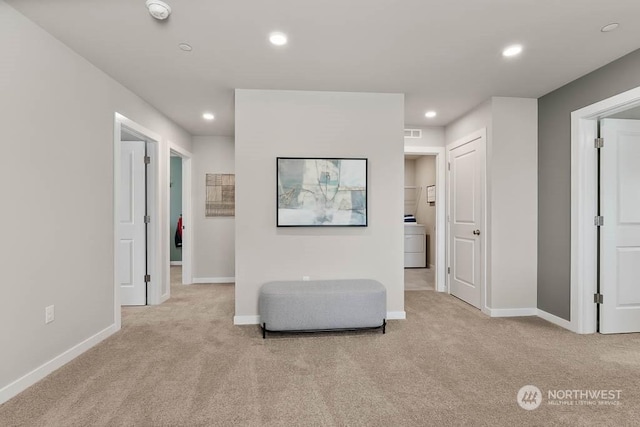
[
  {"x": 183, "y": 363},
  {"x": 419, "y": 279}
]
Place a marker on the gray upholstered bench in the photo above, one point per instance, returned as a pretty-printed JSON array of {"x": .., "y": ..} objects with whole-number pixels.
[{"x": 322, "y": 305}]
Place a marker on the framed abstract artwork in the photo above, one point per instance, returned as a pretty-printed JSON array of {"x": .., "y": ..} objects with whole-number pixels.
[
  {"x": 321, "y": 192},
  {"x": 220, "y": 195}
]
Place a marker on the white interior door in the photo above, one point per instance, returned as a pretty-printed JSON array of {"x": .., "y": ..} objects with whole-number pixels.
[
  {"x": 620, "y": 234},
  {"x": 132, "y": 228},
  {"x": 466, "y": 210}
]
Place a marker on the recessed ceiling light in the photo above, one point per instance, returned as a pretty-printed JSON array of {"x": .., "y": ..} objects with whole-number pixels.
[
  {"x": 512, "y": 50},
  {"x": 185, "y": 46},
  {"x": 610, "y": 27},
  {"x": 158, "y": 9},
  {"x": 208, "y": 116},
  {"x": 278, "y": 39},
  {"x": 430, "y": 114}
]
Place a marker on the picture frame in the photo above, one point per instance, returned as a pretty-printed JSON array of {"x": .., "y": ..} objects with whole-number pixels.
[
  {"x": 321, "y": 192},
  {"x": 431, "y": 194}
]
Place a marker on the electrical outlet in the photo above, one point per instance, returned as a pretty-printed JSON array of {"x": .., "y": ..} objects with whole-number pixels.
[
  {"x": 306, "y": 278},
  {"x": 49, "y": 314}
]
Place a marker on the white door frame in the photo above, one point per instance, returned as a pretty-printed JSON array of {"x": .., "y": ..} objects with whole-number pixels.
[
  {"x": 154, "y": 231},
  {"x": 439, "y": 153},
  {"x": 484, "y": 292},
  {"x": 584, "y": 184},
  {"x": 187, "y": 236}
]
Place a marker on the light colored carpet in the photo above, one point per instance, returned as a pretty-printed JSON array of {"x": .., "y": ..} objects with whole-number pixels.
[
  {"x": 183, "y": 363},
  {"x": 419, "y": 279}
]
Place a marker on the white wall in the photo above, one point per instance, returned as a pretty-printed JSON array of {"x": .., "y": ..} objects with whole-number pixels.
[
  {"x": 56, "y": 180},
  {"x": 410, "y": 195},
  {"x": 476, "y": 119},
  {"x": 426, "y": 214},
  {"x": 317, "y": 124},
  {"x": 514, "y": 202},
  {"x": 214, "y": 237},
  {"x": 409, "y": 172},
  {"x": 432, "y": 136},
  {"x": 511, "y": 193}
]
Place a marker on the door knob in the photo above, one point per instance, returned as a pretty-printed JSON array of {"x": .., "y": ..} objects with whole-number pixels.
[{"x": 476, "y": 232}]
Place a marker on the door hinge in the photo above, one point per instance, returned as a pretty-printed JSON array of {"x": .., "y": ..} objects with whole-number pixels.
[
  {"x": 449, "y": 165},
  {"x": 448, "y": 270},
  {"x": 598, "y": 299},
  {"x": 147, "y": 219},
  {"x": 598, "y": 221},
  {"x": 599, "y": 142},
  {"x": 147, "y": 160},
  {"x": 147, "y": 278}
]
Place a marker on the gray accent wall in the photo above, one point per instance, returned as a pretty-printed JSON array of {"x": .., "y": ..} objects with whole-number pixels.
[
  {"x": 272, "y": 124},
  {"x": 57, "y": 116},
  {"x": 554, "y": 173}
]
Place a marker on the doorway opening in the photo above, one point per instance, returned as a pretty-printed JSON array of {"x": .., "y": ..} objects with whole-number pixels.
[
  {"x": 466, "y": 219},
  {"x": 424, "y": 229},
  {"x": 138, "y": 276},
  {"x": 619, "y": 235},
  {"x": 585, "y": 275},
  {"x": 419, "y": 222},
  {"x": 179, "y": 214}
]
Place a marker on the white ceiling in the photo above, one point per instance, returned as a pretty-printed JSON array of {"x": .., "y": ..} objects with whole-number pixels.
[{"x": 443, "y": 55}]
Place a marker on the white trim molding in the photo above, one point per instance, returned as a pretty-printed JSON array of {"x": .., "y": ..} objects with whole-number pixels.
[
  {"x": 512, "y": 312},
  {"x": 552, "y": 318},
  {"x": 246, "y": 320},
  {"x": 45, "y": 369},
  {"x": 584, "y": 187},
  {"x": 214, "y": 280},
  {"x": 396, "y": 315}
]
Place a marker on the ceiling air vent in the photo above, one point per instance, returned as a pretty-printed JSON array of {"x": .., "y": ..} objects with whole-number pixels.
[{"x": 413, "y": 133}]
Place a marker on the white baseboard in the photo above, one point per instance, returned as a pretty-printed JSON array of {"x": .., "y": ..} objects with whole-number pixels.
[
  {"x": 175, "y": 263},
  {"x": 396, "y": 315},
  {"x": 214, "y": 280},
  {"x": 513, "y": 312},
  {"x": 45, "y": 369},
  {"x": 246, "y": 320},
  {"x": 552, "y": 318}
]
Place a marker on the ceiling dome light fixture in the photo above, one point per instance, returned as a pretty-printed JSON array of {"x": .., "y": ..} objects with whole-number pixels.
[
  {"x": 278, "y": 38},
  {"x": 430, "y": 114},
  {"x": 512, "y": 50},
  {"x": 610, "y": 27},
  {"x": 185, "y": 46},
  {"x": 158, "y": 9},
  {"x": 208, "y": 116}
]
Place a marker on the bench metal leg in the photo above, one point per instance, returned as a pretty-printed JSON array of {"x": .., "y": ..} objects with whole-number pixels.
[
  {"x": 264, "y": 330},
  {"x": 384, "y": 326}
]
